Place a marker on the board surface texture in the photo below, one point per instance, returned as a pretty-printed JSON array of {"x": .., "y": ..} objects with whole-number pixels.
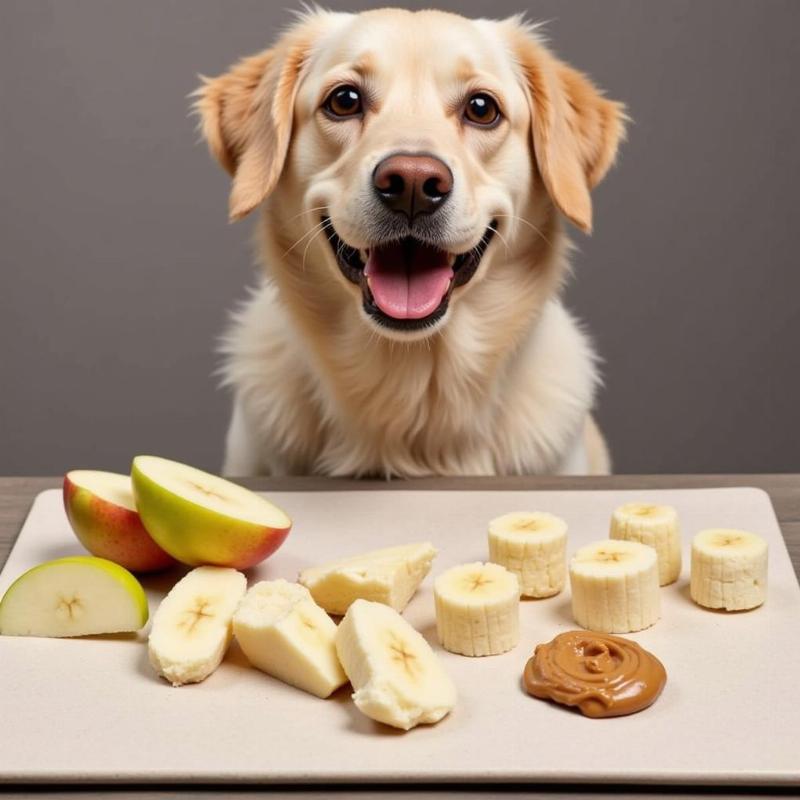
[{"x": 93, "y": 709}]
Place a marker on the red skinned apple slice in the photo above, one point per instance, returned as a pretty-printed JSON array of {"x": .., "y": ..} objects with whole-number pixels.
[
  {"x": 102, "y": 513},
  {"x": 199, "y": 518}
]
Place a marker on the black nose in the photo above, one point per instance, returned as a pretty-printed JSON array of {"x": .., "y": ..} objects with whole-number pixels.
[{"x": 412, "y": 184}]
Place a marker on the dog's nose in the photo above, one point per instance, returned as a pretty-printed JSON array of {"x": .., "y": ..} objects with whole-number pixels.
[{"x": 412, "y": 184}]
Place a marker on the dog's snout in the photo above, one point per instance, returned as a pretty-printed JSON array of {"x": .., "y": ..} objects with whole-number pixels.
[{"x": 412, "y": 184}]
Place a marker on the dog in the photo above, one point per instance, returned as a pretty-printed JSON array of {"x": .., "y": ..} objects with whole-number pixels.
[{"x": 414, "y": 170}]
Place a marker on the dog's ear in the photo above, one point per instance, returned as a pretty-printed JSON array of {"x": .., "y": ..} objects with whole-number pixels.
[
  {"x": 576, "y": 130},
  {"x": 246, "y": 115}
]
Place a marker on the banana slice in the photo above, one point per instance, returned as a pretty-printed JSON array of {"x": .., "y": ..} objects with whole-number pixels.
[
  {"x": 398, "y": 679},
  {"x": 477, "y": 609},
  {"x": 729, "y": 569},
  {"x": 615, "y": 586},
  {"x": 656, "y": 526},
  {"x": 283, "y": 632},
  {"x": 389, "y": 576},
  {"x": 192, "y": 627},
  {"x": 533, "y": 546}
]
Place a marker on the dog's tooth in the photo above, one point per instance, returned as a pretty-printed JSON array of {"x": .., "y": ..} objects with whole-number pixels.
[{"x": 451, "y": 259}]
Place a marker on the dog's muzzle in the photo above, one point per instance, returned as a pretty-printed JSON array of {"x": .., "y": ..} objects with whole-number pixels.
[{"x": 406, "y": 284}]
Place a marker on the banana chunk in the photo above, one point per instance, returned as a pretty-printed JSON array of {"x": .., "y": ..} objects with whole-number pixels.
[
  {"x": 398, "y": 679},
  {"x": 657, "y": 527},
  {"x": 389, "y": 576},
  {"x": 615, "y": 586},
  {"x": 532, "y": 545},
  {"x": 284, "y": 633},
  {"x": 477, "y": 609},
  {"x": 729, "y": 569},
  {"x": 192, "y": 626}
]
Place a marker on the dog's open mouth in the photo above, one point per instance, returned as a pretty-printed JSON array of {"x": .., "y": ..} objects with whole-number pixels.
[{"x": 406, "y": 284}]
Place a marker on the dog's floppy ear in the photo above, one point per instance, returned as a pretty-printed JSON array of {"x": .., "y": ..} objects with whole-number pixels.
[
  {"x": 576, "y": 130},
  {"x": 246, "y": 116}
]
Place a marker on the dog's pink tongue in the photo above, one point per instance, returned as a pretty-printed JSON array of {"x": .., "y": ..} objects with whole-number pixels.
[{"x": 408, "y": 281}]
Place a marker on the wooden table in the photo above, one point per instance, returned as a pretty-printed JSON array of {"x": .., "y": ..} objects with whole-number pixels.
[{"x": 16, "y": 495}]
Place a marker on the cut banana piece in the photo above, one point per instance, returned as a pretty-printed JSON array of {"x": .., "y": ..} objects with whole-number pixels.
[
  {"x": 283, "y": 632},
  {"x": 192, "y": 627},
  {"x": 532, "y": 545},
  {"x": 398, "y": 679},
  {"x": 615, "y": 586},
  {"x": 657, "y": 527},
  {"x": 477, "y": 609},
  {"x": 389, "y": 576},
  {"x": 729, "y": 569}
]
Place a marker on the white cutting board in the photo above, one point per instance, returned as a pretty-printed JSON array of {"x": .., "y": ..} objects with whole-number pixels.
[{"x": 93, "y": 710}]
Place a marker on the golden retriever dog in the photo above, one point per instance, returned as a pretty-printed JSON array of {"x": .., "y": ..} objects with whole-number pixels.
[{"x": 413, "y": 170}]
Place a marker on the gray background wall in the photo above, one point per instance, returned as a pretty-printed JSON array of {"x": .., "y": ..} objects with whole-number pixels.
[{"x": 117, "y": 264}]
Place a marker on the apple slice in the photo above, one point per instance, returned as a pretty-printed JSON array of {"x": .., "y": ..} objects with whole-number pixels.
[
  {"x": 102, "y": 513},
  {"x": 74, "y": 596},
  {"x": 199, "y": 518}
]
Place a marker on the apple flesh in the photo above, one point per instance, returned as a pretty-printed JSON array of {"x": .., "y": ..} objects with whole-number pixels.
[
  {"x": 199, "y": 518},
  {"x": 74, "y": 596},
  {"x": 101, "y": 511}
]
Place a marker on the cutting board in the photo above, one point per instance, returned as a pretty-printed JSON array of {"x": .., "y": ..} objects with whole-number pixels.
[{"x": 93, "y": 710}]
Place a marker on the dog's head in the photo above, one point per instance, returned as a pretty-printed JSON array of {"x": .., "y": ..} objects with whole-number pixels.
[{"x": 414, "y": 146}]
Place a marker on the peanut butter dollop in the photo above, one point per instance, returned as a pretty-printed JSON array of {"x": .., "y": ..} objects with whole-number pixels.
[{"x": 603, "y": 675}]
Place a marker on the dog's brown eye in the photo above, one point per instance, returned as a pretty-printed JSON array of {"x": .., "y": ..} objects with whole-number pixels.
[
  {"x": 344, "y": 101},
  {"x": 481, "y": 109}
]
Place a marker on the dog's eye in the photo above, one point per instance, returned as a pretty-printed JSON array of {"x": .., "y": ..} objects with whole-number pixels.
[
  {"x": 481, "y": 109},
  {"x": 343, "y": 101}
]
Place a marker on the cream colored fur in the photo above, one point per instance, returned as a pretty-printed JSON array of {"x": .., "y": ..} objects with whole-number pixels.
[{"x": 505, "y": 383}]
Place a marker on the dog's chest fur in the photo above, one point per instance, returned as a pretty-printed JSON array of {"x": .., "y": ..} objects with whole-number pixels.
[{"x": 347, "y": 402}]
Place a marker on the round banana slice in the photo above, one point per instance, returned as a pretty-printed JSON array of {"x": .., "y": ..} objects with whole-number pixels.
[
  {"x": 615, "y": 586},
  {"x": 532, "y": 545},
  {"x": 729, "y": 569},
  {"x": 477, "y": 609},
  {"x": 656, "y": 526}
]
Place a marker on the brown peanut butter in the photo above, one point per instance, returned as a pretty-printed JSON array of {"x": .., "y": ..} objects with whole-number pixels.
[{"x": 603, "y": 675}]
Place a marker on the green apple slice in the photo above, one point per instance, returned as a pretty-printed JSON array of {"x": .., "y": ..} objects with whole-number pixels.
[
  {"x": 74, "y": 596},
  {"x": 199, "y": 518}
]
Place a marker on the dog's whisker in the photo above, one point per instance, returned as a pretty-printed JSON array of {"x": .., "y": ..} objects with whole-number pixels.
[
  {"x": 310, "y": 232},
  {"x": 325, "y": 224},
  {"x": 305, "y": 252},
  {"x": 526, "y": 222},
  {"x": 316, "y": 229},
  {"x": 502, "y": 239},
  {"x": 307, "y": 211}
]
